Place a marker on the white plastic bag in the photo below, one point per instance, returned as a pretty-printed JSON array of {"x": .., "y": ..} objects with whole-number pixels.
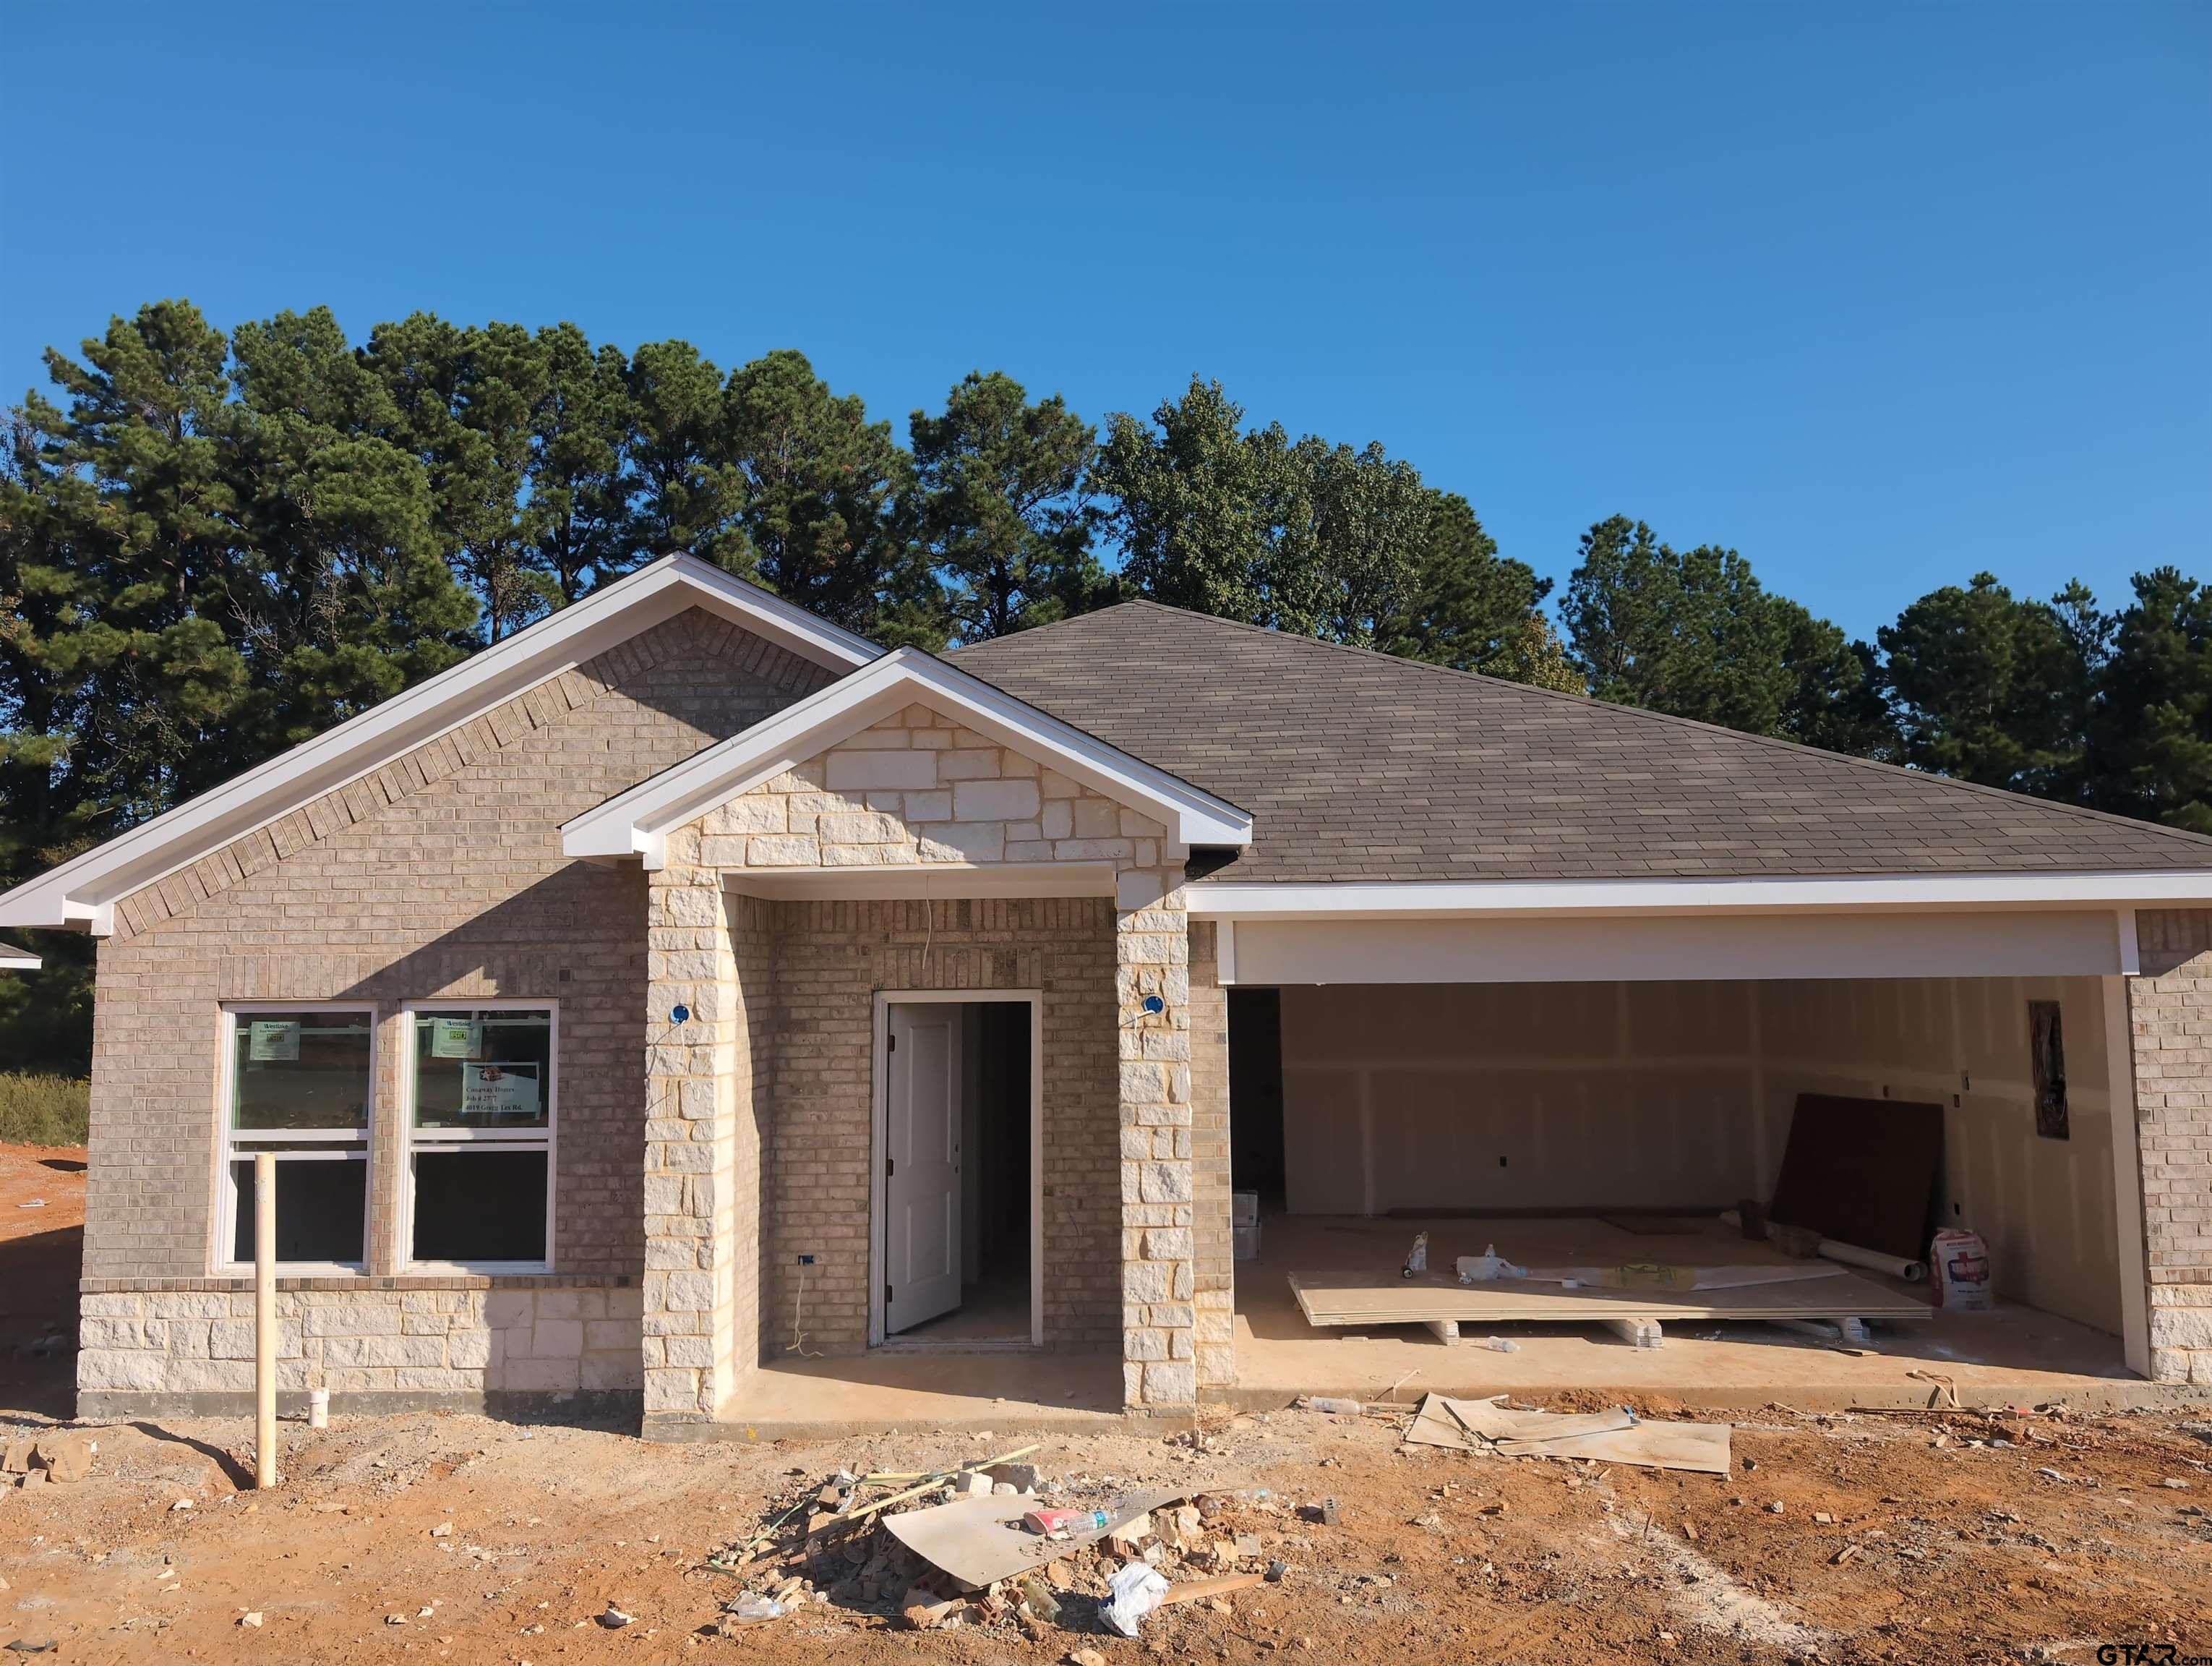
[
  {"x": 1488, "y": 1265},
  {"x": 1137, "y": 1590}
]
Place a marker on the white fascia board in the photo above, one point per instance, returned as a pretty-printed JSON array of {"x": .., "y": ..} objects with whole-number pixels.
[
  {"x": 1230, "y": 900},
  {"x": 637, "y": 822},
  {"x": 81, "y": 891},
  {"x": 15, "y": 960}
]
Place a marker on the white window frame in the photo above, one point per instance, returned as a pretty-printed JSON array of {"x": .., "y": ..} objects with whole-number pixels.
[
  {"x": 412, "y": 1139},
  {"x": 237, "y": 1144}
]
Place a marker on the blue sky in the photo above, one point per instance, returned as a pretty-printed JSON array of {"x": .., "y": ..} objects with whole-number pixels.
[{"x": 1881, "y": 296}]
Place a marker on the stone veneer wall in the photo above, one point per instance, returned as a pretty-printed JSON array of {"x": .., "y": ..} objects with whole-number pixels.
[
  {"x": 439, "y": 876},
  {"x": 1214, "y": 1266},
  {"x": 2170, "y": 1022},
  {"x": 916, "y": 789},
  {"x": 428, "y": 1341}
]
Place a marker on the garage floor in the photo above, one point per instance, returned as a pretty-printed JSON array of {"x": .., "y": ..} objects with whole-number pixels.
[{"x": 2012, "y": 1355}]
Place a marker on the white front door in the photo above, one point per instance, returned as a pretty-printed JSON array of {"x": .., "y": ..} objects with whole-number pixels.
[{"x": 922, "y": 1180}]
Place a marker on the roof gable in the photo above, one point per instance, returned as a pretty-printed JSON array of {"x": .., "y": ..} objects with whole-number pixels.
[
  {"x": 1358, "y": 766},
  {"x": 638, "y": 822},
  {"x": 84, "y": 891}
]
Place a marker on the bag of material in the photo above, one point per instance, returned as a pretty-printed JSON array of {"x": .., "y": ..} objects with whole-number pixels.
[{"x": 1958, "y": 1262}]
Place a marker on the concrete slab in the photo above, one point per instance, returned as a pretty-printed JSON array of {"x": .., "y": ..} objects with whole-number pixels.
[
  {"x": 2014, "y": 1355},
  {"x": 957, "y": 1392}
]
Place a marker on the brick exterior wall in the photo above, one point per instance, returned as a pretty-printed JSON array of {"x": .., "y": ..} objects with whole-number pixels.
[
  {"x": 832, "y": 958},
  {"x": 439, "y": 876},
  {"x": 2170, "y": 1023}
]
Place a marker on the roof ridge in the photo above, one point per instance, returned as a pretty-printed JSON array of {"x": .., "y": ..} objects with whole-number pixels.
[{"x": 2102, "y": 817}]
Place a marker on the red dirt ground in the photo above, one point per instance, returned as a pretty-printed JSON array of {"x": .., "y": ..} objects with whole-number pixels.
[{"x": 1961, "y": 1538}]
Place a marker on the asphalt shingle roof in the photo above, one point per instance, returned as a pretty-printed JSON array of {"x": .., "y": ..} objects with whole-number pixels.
[{"x": 1360, "y": 766}]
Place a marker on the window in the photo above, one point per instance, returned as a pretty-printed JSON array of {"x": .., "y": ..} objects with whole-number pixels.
[
  {"x": 299, "y": 1080},
  {"x": 481, "y": 1106}
]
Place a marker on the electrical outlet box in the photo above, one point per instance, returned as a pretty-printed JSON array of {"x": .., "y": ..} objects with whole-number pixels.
[{"x": 806, "y": 1260}]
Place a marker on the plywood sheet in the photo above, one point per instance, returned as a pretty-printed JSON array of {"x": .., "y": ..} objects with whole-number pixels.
[
  {"x": 1360, "y": 1298},
  {"x": 1862, "y": 1171}
]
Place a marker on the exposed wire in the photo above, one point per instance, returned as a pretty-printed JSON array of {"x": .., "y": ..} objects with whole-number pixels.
[{"x": 797, "y": 1312}]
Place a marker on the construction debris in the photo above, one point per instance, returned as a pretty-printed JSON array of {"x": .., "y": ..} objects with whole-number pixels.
[
  {"x": 1492, "y": 1427},
  {"x": 924, "y": 1550}
]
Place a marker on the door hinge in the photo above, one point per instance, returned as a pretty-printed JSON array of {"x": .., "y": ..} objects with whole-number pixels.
[
  {"x": 891, "y": 1167},
  {"x": 887, "y": 1295},
  {"x": 891, "y": 1043}
]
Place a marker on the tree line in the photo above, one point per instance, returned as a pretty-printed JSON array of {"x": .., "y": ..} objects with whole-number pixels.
[{"x": 214, "y": 545}]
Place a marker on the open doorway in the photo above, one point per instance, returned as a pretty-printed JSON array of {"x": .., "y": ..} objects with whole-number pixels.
[{"x": 957, "y": 1217}]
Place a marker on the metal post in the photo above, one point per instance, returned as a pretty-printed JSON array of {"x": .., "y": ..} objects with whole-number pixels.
[{"x": 264, "y": 1319}]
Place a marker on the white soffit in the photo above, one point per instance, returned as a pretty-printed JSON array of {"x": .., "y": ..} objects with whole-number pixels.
[
  {"x": 637, "y": 822},
  {"x": 83, "y": 892}
]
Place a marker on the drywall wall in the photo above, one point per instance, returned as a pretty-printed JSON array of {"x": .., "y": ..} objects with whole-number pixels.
[
  {"x": 2045, "y": 1205},
  {"x": 1517, "y": 1095}
]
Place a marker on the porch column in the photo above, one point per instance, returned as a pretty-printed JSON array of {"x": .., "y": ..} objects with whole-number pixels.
[
  {"x": 2170, "y": 1026},
  {"x": 690, "y": 1198},
  {"x": 1151, "y": 975}
]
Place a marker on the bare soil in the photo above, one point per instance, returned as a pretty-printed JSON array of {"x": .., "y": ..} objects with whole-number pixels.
[{"x": 1956, "y": 1535}]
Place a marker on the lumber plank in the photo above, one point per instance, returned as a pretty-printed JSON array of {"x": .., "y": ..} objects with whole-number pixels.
[{"x": 1329, "y": 1299}]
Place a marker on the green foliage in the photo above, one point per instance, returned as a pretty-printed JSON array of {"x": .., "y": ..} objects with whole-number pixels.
[
  {"x": 214, "y": 547},
  {"x": 2150, "y": 735},
  {"x": 1467, "y": 607},
  {"x": 1000, "y": 506},
  {"x": 45, "y": 1111},
  {"x": 1996, "y": 690}
]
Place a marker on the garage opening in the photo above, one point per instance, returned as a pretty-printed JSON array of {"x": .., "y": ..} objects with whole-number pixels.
[
  {"x": 1599, "y": 1127},
  {"x": 956, "y": 1230}
]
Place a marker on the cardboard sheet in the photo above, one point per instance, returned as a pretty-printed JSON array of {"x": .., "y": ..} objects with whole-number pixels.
[{"x": 1488, "y": 1425}]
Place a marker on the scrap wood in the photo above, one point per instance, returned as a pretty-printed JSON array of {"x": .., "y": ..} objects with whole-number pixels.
[
  {"x": 981, "y": 1541},
  {"x": 1197, "y": 1591},
  {"x": 936, "y": 1479}
]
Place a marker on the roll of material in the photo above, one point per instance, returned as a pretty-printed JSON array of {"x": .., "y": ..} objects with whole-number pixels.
[{"x": 1912, "y": 1271}]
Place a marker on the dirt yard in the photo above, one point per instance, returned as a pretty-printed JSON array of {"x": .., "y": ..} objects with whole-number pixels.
[{"x": 1951, "y": 1537}]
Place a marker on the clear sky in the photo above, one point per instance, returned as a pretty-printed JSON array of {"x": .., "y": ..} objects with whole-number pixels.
[{"x": 1880, "y": 295}]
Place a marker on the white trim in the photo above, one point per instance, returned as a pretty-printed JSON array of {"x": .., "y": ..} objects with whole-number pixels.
[
  {"x": 82, "y": 891},
  {"x": 16, "y": 960},
  {"x": 1225, "y": 952},
  {"x": 879, "y": 1108},
  {"x": 228, "y": 1150},
  {"x": 637, "y": 822},
  {"x": 2127, "y": 1176},
  {"x": 939, "y": 880},
  {"x": 2130, "y": 950},
  {"x": 411, "y": 1140},
  {"x": 1220, "y": 898}
]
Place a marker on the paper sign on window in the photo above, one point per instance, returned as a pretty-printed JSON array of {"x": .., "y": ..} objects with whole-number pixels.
[
  {"x": 456, "y": 1038},
  {"x": 499, "y": 1091},
  {"x": 272, "y": 1041}
]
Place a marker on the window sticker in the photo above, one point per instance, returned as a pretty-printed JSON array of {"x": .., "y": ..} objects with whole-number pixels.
[
  {"x": 273, "y": 1040},
  {"x": 456, "y": 1038},
  {"x": 493, "y": 1091}
]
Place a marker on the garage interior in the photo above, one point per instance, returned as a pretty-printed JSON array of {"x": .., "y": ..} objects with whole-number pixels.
[{"x": 1608, "y": 1124}]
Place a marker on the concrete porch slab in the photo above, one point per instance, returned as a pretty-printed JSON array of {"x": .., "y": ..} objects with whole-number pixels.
[{"x": 871, "y": 1393}]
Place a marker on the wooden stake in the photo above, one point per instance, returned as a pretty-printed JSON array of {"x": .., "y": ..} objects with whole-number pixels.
[{"x": 264, "y": 1319}]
